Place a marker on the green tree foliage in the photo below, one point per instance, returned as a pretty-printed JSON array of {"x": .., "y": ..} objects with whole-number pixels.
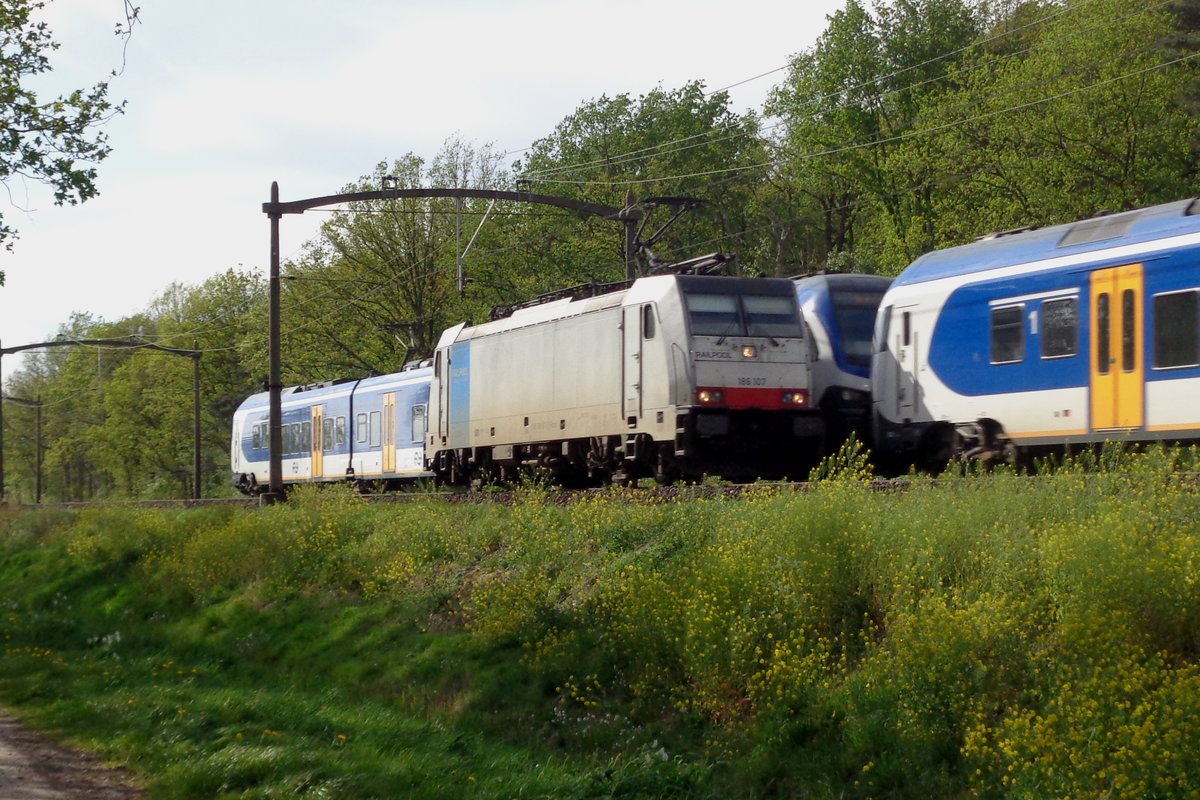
[
  {"x": 54, "y": 142},
  {"x": 1088, "y": 119},
  {"x": 682, "y": 142},
  {"x": 118, "y": 421},
  {"x": 380, "y": 284},
  {"x": 923, "y": 124}
]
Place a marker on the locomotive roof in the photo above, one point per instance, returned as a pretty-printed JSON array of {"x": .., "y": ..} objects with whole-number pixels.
[{"x": 1029, "y": 246}]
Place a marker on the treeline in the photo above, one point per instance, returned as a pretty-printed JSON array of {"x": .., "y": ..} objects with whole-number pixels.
[{"x": 909, "y": 125}]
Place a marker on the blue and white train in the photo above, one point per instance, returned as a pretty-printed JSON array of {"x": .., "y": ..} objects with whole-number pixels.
[
  {"x": 671, "y": 377},
  {"x": 839, "y": 312},
  {"x": 370, "y": 430},
  {"x": 1065, "y": 335}
]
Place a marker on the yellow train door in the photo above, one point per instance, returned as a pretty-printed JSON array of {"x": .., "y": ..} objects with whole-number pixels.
[
  {"x": 318, "y": 425},
  {"x": 389, "y": 432},
  {"x": 1118, "y": 370}
]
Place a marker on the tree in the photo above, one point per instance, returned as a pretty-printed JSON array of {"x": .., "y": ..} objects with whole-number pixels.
[
  {"x": 1088, "y": 119},
  {"x": 667, "y": 142},
  {"x": 851, "y": 109},
  {"x": 379, "y": 285},
  {"x": 58, "y": 142}
]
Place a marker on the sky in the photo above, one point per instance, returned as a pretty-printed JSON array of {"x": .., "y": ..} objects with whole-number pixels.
[{"x": 224, "y": 97}]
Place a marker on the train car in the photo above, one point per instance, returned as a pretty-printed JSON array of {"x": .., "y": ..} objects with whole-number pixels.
[
  {"x": 839, "y": 312},
  {"x": 675, "y": 377},
  {"x": 370, "y": 430},
  {"x": 1065, "y": 335}
]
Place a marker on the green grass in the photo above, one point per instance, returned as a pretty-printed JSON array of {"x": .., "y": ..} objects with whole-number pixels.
[{"x": 979, "y": 635}]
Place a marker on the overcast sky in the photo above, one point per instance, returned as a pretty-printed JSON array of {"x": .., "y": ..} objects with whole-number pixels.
[{"x": 225, "y": 97}]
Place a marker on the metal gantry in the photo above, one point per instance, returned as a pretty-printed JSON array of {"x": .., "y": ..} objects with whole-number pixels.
[
  {"x": 630, "y": 215},
  {"x": 125, "y": 344}
]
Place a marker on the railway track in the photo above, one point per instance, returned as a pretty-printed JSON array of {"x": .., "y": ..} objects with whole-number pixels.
[{"x": 499, "y": 497}]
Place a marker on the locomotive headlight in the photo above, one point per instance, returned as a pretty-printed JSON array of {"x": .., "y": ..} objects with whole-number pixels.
[
  {"x": 709, "y": 396},
  {"x": 749, "y": 351},
  {"x": 797, "y": 398}
]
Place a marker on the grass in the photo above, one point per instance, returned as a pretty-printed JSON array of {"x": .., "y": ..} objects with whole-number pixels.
[{"x": 978, "y": 635}]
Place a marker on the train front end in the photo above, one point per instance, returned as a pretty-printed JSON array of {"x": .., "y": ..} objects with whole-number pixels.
[{"x": 749, "y": 412}]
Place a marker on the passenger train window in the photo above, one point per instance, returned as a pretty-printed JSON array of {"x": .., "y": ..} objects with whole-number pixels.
[
  {"x": 1060, "y": 327},
  {"x": 362, "y": 429},
  {"x": 1177, "y": 330},
  {"x": 305, "y": 438},
  {"x": 1128, "y": 337},
  {"x": 257, "y": 431},
  {"x": 1008, "y": 334},
  {"x": 375, "y": 428},
  {"x": 327, "y": 435},
  {"x": 339, "y": 431},
  {"x": 1103, "y": 326},
  {"x": 418, "y": 421}
]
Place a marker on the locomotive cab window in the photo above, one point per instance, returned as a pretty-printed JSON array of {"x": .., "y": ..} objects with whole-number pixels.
[
  {"x": 771, "y": 315},
  {"x": 1008, "y": 335},
  {"x": 647, "y": 321},
  {"x": 1060, "y": 328},
  {"x": 1177, "y": 330},
  {"x": 713, "y": 314}
]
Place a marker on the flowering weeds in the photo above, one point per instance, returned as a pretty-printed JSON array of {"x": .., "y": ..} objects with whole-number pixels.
[{"x": 982, "y": 634}]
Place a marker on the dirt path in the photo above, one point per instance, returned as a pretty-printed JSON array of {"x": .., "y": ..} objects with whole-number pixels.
[{"x": 34, "y": 768}]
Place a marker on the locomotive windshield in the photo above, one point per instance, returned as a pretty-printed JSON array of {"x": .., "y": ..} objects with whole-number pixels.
[{"x": 711, "y": 314}]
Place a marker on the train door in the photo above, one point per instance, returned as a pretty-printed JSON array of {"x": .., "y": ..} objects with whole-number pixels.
[
  {"x": 631, "y": 363},
  {"x": 318, "y": 425},
  {"x": 904, "y": 382},
  {"x": 1118, "y": 371},
  {"x": 389, "y": 432}
]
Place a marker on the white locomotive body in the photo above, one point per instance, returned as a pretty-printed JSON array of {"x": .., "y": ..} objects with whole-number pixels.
[{"x": 676, "y": 376}]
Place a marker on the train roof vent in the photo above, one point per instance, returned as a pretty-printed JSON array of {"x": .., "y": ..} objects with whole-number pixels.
[
  {"x": 987, "y": 237},
  {"x": 1098, "y": 229}
]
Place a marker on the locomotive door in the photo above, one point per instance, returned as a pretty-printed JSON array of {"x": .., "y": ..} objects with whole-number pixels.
[
  {"x": 318, "y": 455},
  {"x": 1118, "y": 369},
  {"x": 389, "y": 432},
  {"x": 631, "y": 363}
]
